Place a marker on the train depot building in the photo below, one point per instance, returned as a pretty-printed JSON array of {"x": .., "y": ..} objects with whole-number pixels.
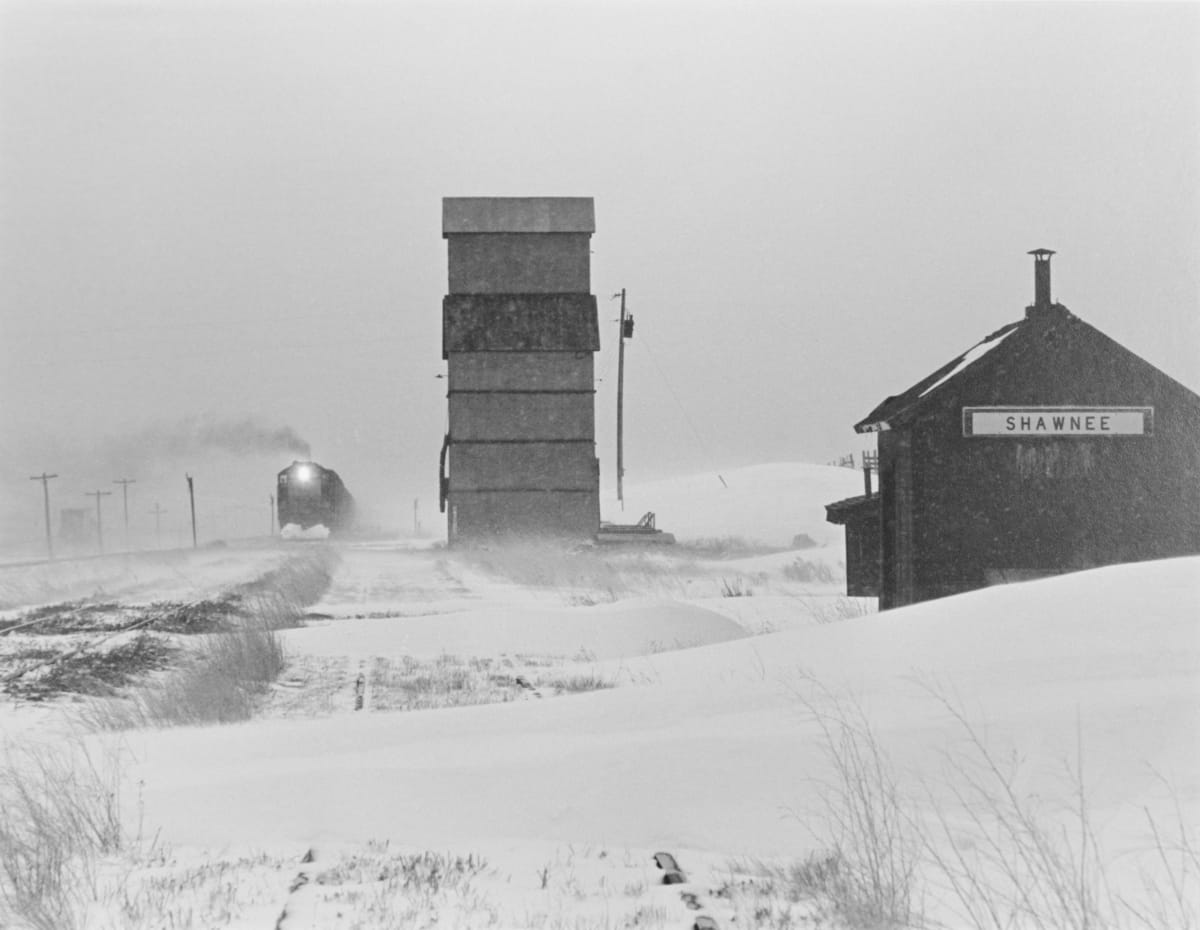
[
  {"x": 1045, "y": 448},
  {"x": 519, "y": 335}
]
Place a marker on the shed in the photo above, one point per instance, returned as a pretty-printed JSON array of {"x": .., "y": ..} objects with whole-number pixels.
[{"x": 1046, "y": 447}]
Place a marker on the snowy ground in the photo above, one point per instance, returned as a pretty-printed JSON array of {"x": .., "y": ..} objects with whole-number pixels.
[{"x": 505, "y": 739}]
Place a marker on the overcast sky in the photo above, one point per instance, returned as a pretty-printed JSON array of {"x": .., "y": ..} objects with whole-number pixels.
[{"x": 228, "y": 215}]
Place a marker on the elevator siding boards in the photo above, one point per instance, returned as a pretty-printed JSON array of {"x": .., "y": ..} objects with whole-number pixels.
[{"x": 519, "y": 335}]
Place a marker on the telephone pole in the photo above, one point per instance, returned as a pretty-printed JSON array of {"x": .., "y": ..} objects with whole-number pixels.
[
  {"x": 99, "y": 524},
  {"x": 192, "y": 499},
  {"x": 158, "y": 512},
  {"x": 45, "y": 480},
  {"x": 271, "y": 498},
  {"x": 125, "y": 483},
  {"x": 626, "y": 332}
]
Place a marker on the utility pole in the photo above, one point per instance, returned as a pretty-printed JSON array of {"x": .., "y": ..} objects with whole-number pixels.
[
  {"x": 626, "y": 332},
  {"x": 416, "y": 516},
  {"x": 158, "y": 512},
  {"x": 99, "y": 523},
  {"x": 125, "y": 483},
  {"x": 271, "y": 498},
  {"x": 45, "y": 480},
  {"x": 192, "y": 499}
]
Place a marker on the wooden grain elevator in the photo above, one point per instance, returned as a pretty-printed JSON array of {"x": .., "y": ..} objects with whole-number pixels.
[{"x": 519, "y": 335}]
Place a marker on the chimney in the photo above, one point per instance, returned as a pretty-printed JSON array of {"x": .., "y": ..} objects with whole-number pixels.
[{"x": 1041, "y": 279}]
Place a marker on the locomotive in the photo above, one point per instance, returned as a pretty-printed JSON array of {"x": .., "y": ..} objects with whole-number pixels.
[{"x": 308, "y": 495}]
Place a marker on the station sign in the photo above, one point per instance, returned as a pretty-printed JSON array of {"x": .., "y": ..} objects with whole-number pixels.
[{"x": 1058, "y": 421}]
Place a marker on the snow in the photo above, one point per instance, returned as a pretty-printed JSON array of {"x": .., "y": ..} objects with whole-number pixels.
[
  {"x": 295, "y": 531},
  {"x": 706, "y": 745},
  {"x": 717, "y": 729},
  {"x": 974, "y": 354},
  {"x": 632, "y": 628},
  {"x": 180, "y": 574}
]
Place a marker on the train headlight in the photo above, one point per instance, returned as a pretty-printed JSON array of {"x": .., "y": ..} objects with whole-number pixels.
[{"x": 304, "y": 473}]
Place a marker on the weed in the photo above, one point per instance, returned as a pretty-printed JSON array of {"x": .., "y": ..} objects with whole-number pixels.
[
  {"x": 875, "y": 852},
  {"x": 66, "y": 617},
  {"x": 225, "y": 672},
  {"x": 1009, "y": 856},
  {"x": 300, "y": 581},
  {"x": 61, "y": 813},
  {"x": 582, "y": 575},
  {"x": 575, "y": 684},
  {"x": 1004, "y": 857},
  {"x": 221, "y": 682},
  {"x": 723, "y": 547},
  {"x": 809, "y": 572},
  {"x": 87, "y": 671},
  {"x": 204, "y": 616},
  {"x": 837, "y": 609},
  {"x": 736, "y": 588}
]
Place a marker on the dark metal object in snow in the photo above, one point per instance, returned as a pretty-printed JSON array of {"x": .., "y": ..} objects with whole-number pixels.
[
  {"x": 664, "y": 860},
  {"x": 644, "y": 531}
]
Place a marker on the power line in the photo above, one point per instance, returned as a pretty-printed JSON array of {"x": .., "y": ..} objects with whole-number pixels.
[
  {"x": 239, "y": 348},
  {"x": 695, "y": 432},
  {"x": 174, "y": 326}
]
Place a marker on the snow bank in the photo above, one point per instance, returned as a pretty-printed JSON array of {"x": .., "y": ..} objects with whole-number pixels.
[
  {"x": 629, "y": 628},
  {"x": 709, "y": 749}
]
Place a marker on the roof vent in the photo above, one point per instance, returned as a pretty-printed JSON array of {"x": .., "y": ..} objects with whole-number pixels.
[{"x": 1041, "y": 280}]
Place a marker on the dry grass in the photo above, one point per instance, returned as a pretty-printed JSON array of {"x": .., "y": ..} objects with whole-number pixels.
[
  {"x": 43, "y": 673},
  {"x": 583, "y": 575},
  {"x": 738, "y": 587},
  {"x": 225, "y": 674},
  {"x": 221, "y": 681},
  {"x": 999, "y": 857},
  {"x": 723, "y": 547},
  {"x": 589, "y": 575},
  {"x": 809, "y": 572},
  {"x": 408, "y": 683},
  {"x": 299, "y": 582},
  {"x": 867, "y": 820},
  {"x": 1010, "y": 857},
  {"x": 62, "y": 811}
]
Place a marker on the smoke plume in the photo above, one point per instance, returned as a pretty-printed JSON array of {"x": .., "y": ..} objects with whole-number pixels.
[{"x": 199, "y": 436}]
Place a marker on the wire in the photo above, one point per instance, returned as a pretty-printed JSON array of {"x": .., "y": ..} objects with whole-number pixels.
[
  {"x": 234, "y": 348},
  {"x": 289, "y": 317},
  {"x": 695, "y": 432}
]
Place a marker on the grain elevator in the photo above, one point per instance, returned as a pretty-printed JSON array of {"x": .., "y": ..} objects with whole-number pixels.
[{"x": 519, "y": 336}]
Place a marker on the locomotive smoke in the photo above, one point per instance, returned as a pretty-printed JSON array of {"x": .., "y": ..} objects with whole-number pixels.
[
  {"x": 242, "y": 437},
  {"x": 198, "y": 436}
]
